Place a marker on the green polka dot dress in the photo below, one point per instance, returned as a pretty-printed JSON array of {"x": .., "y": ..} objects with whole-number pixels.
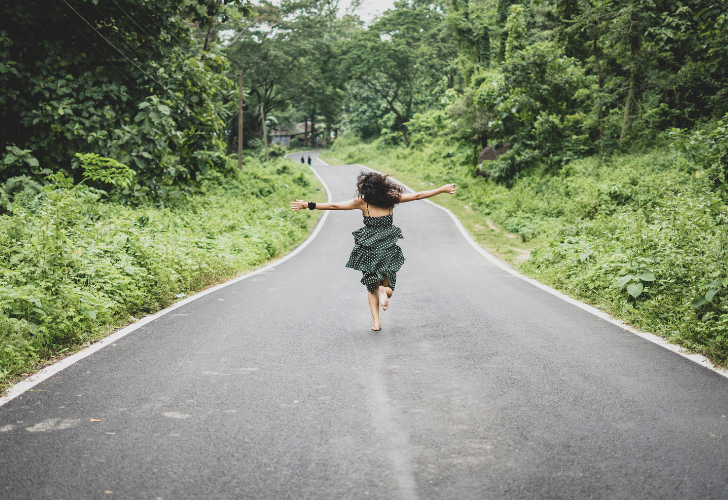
[{"x": 375, "y": 252}]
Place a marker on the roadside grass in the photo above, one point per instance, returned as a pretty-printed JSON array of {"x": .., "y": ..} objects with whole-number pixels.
[
  {"x": 74, "y": 266},
  {"x": 640, "y": 235}
]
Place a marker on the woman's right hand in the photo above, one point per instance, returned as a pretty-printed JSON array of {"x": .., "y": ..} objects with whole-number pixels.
[{"x": 299, "y": 205}]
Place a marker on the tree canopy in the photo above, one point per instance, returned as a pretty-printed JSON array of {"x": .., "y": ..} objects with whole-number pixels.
[{"x": 154, "y": 85}]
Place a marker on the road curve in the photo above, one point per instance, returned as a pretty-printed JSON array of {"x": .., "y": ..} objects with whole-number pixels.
[{"x": 479, "y": 386}]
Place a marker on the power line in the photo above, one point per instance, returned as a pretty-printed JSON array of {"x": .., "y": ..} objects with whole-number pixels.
[
  {"x": 128, "y": 44},
  {"x": 99, "y": 50},
  {"x": 114, "y": 46},
  {"x": 162, "y": 50},
  {"x": 123, "y": 74},
  {"x": 158, "y": 25},
  {"x": 136, "y": 65},
  {"x": 132, "y": 20}
]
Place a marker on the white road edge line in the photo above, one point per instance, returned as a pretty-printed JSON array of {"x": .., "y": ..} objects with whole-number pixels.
[
  {"x": 655, "y": 339},
  {"x": 49, "y": 371}
]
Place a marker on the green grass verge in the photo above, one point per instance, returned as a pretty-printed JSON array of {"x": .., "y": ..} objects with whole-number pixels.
[
  {"x": 74, "y": 267},
  {"x": 637, "y": 235}
]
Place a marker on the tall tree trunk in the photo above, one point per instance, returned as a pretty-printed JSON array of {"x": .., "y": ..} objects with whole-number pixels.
[
  {"x": 313, "y": 127},
  {"x": 210, "y": 37},
  {"x": 405, "y": 137},
  {"x": 634, "y": 49},
  {"x": 212, "y": 31},
  {"x": 240, "y": 123},
  {"x": 600, "y": 82},
  {"x": 483, "y": 141},
  {"x": 265, "y": 132},
  {"x": 231, "y": 136},
  {"x": 305, "y": 130},
  {"x": 625, "y": 120}
]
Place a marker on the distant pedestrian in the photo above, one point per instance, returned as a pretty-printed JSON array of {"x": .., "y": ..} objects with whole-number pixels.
[
  {"x": 309, "y": 160},
  {"x": 302, "y": 160},
  {"x": 376, "y": 253}
]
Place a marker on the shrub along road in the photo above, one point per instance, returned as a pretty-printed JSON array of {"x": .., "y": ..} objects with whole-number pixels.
[{"x": 479, "y": 385}]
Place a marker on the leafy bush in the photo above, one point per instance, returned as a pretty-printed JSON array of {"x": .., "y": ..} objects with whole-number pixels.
[
  {"x": 709, "y": 151},
  {"x": 72, "y": 266},
  {"x": 424, "y": 127},
  {"x": 539, "y": 103}
]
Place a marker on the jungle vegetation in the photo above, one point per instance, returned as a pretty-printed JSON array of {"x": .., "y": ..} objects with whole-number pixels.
[{"x": 604, "y": 122}]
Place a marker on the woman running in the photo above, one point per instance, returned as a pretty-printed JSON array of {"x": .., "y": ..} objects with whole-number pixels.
[{"x": 376, "y": 253}]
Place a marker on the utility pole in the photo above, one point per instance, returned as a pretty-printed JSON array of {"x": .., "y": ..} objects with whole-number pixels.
[
  {"x": 265, "y": 133},
  {"x": 240, "y": 124}
]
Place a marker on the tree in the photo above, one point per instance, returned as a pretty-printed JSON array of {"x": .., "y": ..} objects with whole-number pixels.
[
  {"x": 394, "y": 59},
  {"x": 287, "y": 55},
  {"x": 516, "y": 29},
  {"x": 113, "y": 78},
  {"x": 468, "y": 27}
]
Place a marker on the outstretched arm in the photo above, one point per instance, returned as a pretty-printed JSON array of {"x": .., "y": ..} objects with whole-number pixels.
[
  {"x": 447, "y": 188},
  {"x": 342, "y": 205}
]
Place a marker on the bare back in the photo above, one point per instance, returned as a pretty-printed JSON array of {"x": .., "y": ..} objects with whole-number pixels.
[{"x": 373, "y": 211}]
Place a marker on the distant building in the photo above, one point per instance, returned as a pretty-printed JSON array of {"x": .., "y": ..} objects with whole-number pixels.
[{"x": 283, "y": 136}]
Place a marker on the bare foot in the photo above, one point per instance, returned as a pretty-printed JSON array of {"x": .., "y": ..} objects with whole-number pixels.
[
  {"x": 377, "y": 327},
  {"x": 383, "y": 299}
]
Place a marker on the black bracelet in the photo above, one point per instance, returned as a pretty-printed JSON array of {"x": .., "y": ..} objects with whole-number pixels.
[{"x": 311, "y": 205}]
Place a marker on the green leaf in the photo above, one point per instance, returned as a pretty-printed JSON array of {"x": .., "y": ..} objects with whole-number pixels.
[
  {"x": 129, "y": 270},
  {"x": 710, "y": 294},
  {"x": 699, "y": 301},
  {"x": 635, "y": 289},
  {"x": 646, "y": 277},
  {"x": 623, "y": 281},
  {"x": 120, "y": 240}
]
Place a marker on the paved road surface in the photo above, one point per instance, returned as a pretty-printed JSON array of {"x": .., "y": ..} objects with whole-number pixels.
[{"x": 479, "y": 386}]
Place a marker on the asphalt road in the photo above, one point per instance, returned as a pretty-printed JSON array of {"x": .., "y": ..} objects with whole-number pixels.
[{"x": 479, "y": 385}]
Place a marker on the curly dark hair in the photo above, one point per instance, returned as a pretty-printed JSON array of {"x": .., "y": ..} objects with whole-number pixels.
[{"x": 378, "y": 190}]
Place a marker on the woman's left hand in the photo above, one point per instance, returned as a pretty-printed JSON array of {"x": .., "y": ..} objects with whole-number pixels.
[
  {"x": 299, "y": 205},
  {"x": 449, "y": 188}
]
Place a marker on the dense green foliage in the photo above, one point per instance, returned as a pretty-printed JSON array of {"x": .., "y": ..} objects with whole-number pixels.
[
  {"x": 116, "y": 192},
  {"x": 121, "y": 79},
  {"x": 607, "y": 118},
  {"x": 287, "y": 55},
  {"x": 640, "y": 235},
  {"x": 73, "y": 265},
  {"x": 554, "y": 80}
]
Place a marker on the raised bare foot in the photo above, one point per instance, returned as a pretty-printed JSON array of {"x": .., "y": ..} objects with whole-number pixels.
[
  {"x": 377, "y": 327},
  {"x": 383, "y": 299}
]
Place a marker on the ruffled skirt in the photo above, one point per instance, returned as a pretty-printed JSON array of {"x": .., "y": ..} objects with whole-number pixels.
[{"x": 377, "y": 255}]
